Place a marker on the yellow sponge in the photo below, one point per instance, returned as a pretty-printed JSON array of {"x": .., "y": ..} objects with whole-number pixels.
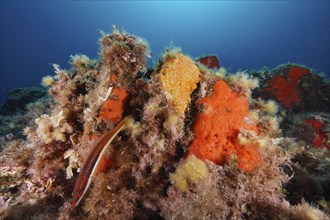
[
  {"x": 191, "y": 170},
  {"x": 179, "y": 77}
]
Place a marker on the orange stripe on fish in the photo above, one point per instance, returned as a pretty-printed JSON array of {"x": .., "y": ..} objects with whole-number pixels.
[{"x": 95, "y": 162}]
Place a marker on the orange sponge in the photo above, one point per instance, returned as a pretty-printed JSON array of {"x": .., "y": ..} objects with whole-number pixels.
[
  {"x": 217, "y": 127},
  {"x": 114, "y": 108}
]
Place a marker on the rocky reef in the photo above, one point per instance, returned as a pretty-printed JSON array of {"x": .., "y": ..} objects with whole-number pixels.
[
  {"x": 21, "y": 106},
  {"x": 185, "y": 140}
]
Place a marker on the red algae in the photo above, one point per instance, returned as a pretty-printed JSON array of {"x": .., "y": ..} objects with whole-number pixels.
[
  {"x": 285, "y": 88},
  {"x": 217, "y": 127},
  {"x": 114, "y": 108},
  {"x": 210, "y": 61}
]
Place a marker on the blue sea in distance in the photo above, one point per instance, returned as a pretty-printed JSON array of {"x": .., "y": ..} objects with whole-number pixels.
[{"x": 245, "y": 35}]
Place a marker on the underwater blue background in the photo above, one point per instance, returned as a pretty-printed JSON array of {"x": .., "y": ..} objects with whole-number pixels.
[{"x": 245, "y": 35}]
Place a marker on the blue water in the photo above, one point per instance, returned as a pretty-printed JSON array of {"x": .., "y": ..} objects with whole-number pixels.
[{"x": 244, "y": 34}]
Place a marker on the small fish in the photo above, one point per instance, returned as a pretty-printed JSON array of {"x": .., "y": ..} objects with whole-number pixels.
[
  {"x": 211, "y": 61},
  {"x": 95, "y": 162}
]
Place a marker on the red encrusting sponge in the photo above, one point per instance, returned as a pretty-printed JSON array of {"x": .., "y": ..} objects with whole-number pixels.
[
  {"x": 285, "y": 87},
  {"x": 210, "y": 61}
]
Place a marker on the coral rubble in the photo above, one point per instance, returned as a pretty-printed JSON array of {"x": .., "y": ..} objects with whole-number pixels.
[{"x": 200, "y": 143}]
